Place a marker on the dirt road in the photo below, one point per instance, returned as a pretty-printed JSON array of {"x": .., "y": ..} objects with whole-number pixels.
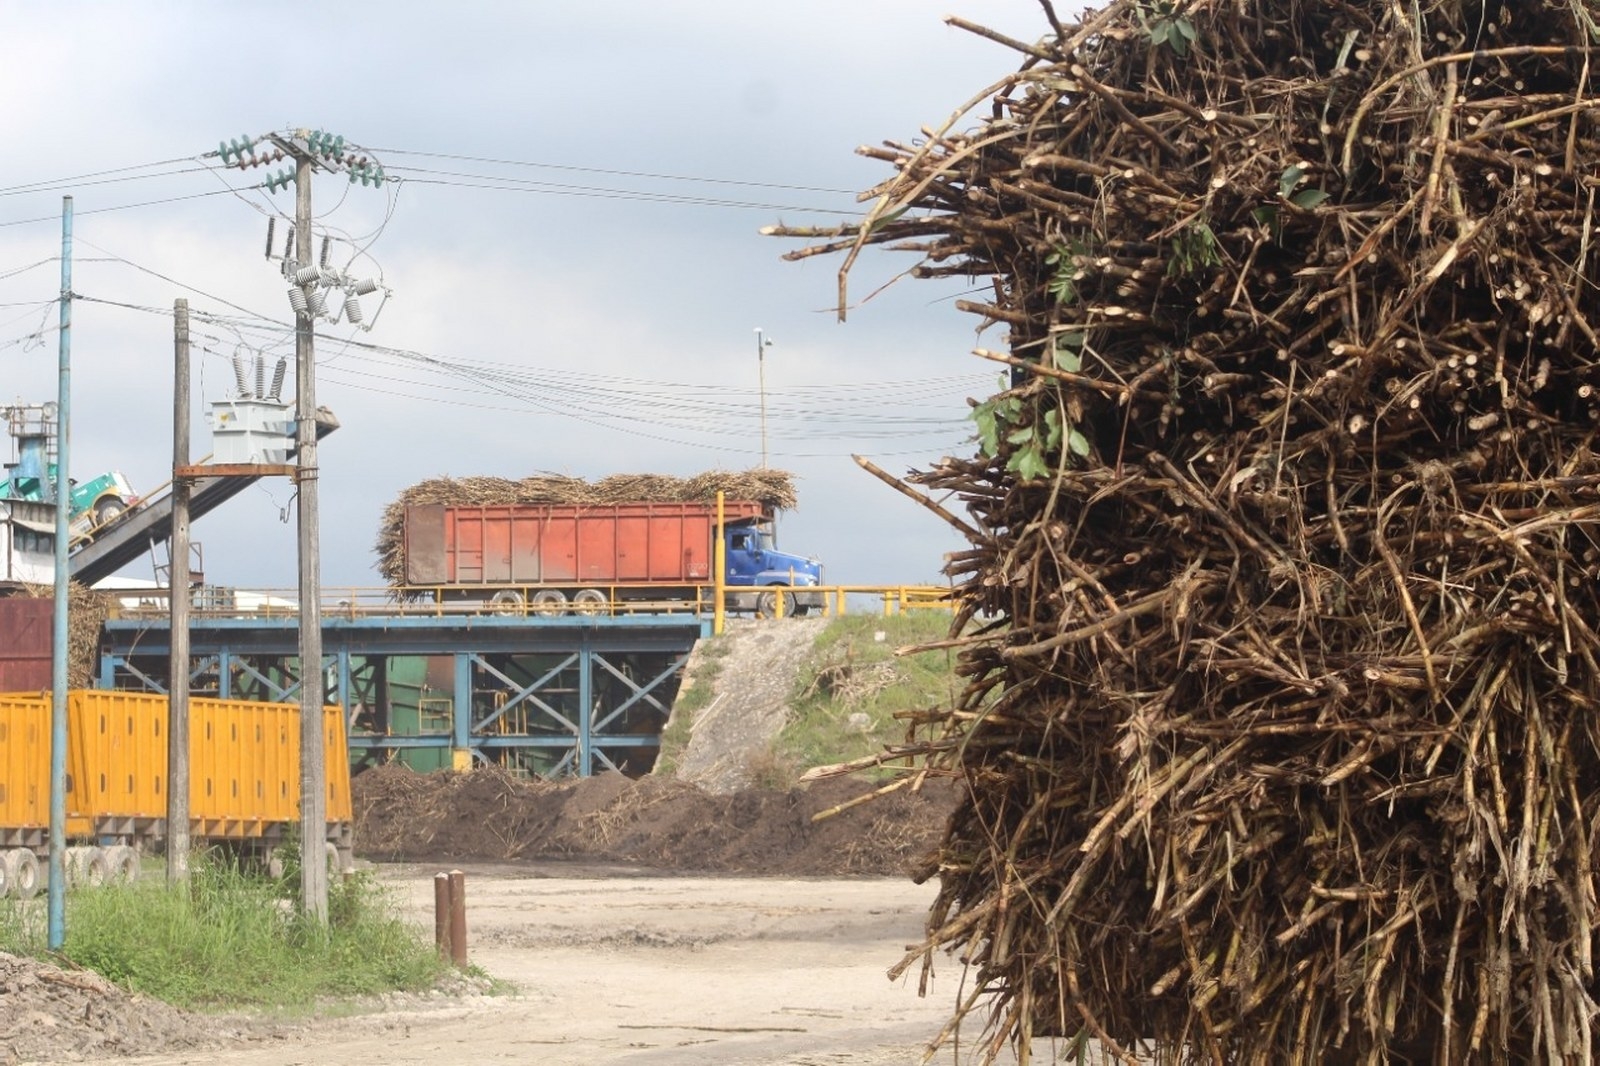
[{"x": 616, "y": 964}]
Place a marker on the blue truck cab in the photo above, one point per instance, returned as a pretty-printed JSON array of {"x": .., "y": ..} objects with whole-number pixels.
[{"x": 754, "y": 563}]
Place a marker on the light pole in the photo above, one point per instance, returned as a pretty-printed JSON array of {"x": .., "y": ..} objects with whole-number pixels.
[{"x": 762, "y": 345}]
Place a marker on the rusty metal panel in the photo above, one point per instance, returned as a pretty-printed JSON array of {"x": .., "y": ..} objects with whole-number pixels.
[
  {"x": 427, "y": 561},
  {"x": 558, "y": 543},
  {"x": 597, "y": 545},
  {"x": 524, "y": 549},
  {"x": 25, "y": 632}
]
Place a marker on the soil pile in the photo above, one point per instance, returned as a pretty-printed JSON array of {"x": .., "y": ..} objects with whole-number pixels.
[
  {"x": 662, "y": 823},
  {"x": 774, "y": 488},
  {"x": 78, "y": 1016},
  {"x": 1284, "y": 746}
]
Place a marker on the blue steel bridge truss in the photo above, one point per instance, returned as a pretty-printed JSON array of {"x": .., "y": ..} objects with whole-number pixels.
[{"x": 548, "y": 695}]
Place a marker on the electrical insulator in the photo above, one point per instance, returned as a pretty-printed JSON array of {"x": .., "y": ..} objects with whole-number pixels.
[
  {"x": 317, "y": 302},
  {"x": 277, "y": 378},
  {"x": 352, "y": 310},
  {"x": 322, "y": 260},
  {"x": 271, "y": 224},
  {"x": 239, "y": 374},
  {"x": 261, "y": 376},
  {"x": 281, "y": 180},
  {"x": 297, "y": 299},
  {"x": 288, "y": 244},
  {"x": 307, "y": 276},
  {"x": 366, "y": 285}
]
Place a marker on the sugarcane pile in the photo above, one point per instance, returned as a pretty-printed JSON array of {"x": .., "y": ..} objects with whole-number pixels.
[
  {"x": 1280, "y": 723},
  {"x": 774, "y": 488}
]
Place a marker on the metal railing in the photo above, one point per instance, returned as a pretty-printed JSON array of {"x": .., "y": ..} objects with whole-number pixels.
[{"x": 441, "y": 601}]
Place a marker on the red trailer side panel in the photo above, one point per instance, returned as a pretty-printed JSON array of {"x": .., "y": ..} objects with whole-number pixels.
[
  {"x": 25, "y": 631},
  {"x": 543, "y": 544}
]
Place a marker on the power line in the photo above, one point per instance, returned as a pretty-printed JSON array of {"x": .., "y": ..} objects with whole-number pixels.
[
  {"x": 491, "y": 183},
  {"x": 56, "y": 218},
  {"x": 612, "y": 172},
  {"x": 55, "y": 184}
]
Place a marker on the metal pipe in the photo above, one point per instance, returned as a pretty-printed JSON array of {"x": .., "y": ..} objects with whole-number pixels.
[
  {"x": 441, "y": 914},
  {"x": 719, "y": 556},
  {"x": 57, "y": 893},
  {"x": 458, "y": 919}
]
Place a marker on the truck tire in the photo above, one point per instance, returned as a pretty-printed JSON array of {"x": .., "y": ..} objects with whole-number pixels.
[
  {"x": 589, "y": 601},
  {"x": 107, "y": 508},
  {"x": 86, "y": 867},
  {"x": 122, "y": 864},
  {"x": 506, "y": 601},
  {"x": 548, "y": 601},
  {"x": 767, "y": 603},
  {"x": 21, "y": 871}
]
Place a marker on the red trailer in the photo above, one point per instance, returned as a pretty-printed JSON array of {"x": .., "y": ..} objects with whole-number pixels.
[{"x": 550, "y": 554}]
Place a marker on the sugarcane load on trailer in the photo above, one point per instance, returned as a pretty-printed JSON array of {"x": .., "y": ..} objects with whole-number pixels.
[{"x": 550, "y": 545}]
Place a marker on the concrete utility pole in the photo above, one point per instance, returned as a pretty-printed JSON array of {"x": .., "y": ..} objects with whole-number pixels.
[
  {"x": 313, "y": 757},
  {"x": 178, "y": 606},
  {"x": 310, "y": 151}
]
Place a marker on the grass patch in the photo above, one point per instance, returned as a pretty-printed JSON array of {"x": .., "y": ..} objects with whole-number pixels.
[
  {"x": 234, "y": 940},
  {"x": 853, "y": 687},
  {"x": 689, "y": 702}
]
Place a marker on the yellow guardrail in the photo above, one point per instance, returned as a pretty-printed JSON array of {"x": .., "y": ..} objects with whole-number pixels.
[{"x": 441, "y": 601}]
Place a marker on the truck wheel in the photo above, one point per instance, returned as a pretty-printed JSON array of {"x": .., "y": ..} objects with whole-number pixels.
[
  {"x": 21, "y": 873},
  {"x": 86, "y": 867},
  {"x": 767, "y": 604},
  {"x": 506, "y": 601},
  {"x": 122, "y": 864},
  {"x": 549, "y": 601},
  {"x": 107, "y": 508},
  {"x": 589, "y": 601}
]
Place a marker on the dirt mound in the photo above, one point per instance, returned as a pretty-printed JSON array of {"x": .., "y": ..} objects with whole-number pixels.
[
  {"x": 657, "y": 822},
  {"x": 76, "y": 1016}
]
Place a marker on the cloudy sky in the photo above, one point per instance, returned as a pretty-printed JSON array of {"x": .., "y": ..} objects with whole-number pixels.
[{"x": 572, "y": 247}]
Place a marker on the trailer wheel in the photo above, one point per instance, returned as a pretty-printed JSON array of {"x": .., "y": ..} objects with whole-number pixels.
[
  {"x": 589, "y": 601},
  {"x": 122, "y": 864},
  {"x": 548, "y": 601},
  {"x": 86, "y": 866},
  {"x": 21, "y": 872},
  {"x": 506, "y": 601}
]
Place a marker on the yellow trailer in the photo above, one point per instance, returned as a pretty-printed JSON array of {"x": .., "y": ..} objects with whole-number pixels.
[{"x": 244, "y": 780}]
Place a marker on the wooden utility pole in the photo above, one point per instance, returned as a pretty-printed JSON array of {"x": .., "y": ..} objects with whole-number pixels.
[
  {"x": 178, "y": 607},
  {"x": 313, "y": 757}
]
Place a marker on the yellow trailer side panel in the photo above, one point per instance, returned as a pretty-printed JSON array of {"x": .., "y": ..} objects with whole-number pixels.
[
  {"x": 244, "y": 761},
  {"x": 25, "y": 766}
]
